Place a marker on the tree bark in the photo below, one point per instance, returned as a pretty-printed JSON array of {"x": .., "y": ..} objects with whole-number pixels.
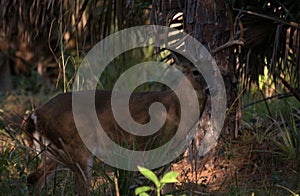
[
  {"x": 210, "y": 22},
  {"x": 5, "y": 74}
]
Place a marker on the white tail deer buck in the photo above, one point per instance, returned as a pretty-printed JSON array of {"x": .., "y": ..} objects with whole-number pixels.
[{"x": 54, "y": 122}]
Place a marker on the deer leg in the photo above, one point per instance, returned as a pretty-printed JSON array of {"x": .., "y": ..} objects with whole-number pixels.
[
  {"x": 81, "y": 184},
  {"x": 38, "y": 178},
  {"x": 82, "y": 177}
]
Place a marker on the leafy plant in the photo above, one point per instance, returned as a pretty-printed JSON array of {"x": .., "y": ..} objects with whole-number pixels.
[
  {"x": 170, "y": 177},
  {"x": 289, "y": 143}
]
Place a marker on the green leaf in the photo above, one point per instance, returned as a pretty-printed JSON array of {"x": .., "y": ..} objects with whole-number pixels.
[
  {"x": 170, "y": 177},
  {"x": 150, "y": 175},
  {"x": 143, "y": 189},
  {"x": 144, "y": 194}
]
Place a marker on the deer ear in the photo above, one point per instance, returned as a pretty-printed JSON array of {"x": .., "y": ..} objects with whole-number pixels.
[
  {"x": 175, "y": 57},
  {"x": 181, "y": 60}
]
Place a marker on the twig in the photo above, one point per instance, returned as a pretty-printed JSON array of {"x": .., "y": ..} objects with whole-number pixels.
[
  {"x": 227, "y": 45},
  {"x": 279, "y": 96},
  {"x": 292, "y": 24}
]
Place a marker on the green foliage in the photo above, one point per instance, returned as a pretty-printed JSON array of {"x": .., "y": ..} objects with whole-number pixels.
[
  {"x": 257, "y": 110},
  {"x": 170, "y": 177},
  {"x": 120, "y": 64},
  {"x": 289, "y": 136}
]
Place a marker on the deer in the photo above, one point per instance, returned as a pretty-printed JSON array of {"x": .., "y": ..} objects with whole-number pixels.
[{"x": 54, "y": 123}]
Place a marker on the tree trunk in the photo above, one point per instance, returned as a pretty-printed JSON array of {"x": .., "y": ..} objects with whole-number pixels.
[
  {"x": 210, "y": 22},
  {"x": 5, "y": 74}
]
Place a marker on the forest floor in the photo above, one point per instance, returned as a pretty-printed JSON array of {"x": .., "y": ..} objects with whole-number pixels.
[{"x": 242, "y": 166}]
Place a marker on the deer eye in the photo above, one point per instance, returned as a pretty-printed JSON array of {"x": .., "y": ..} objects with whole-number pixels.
[{"x": 196, "y": 73}]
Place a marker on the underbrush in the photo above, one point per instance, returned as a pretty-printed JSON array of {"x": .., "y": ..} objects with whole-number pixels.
[{"x": 262, "y": 160}]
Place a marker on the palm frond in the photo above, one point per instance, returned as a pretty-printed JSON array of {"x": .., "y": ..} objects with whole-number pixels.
[
  {"x": 89, "y": 20},
  {"x": 271, "y": 36}
]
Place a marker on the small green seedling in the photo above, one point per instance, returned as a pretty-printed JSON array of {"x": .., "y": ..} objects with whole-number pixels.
[{"x": 170, "y": 177}]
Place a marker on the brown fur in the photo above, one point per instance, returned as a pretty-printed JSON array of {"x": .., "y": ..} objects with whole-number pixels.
[{"x": 54, "y": 121}]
